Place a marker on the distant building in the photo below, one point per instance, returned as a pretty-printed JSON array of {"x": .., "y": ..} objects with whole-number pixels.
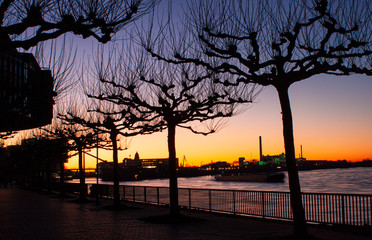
[
  {"x": 277, "y": 159},
  {"x": 146, "y": 163},
  {"x": 105, "y": 165},
  {"x": 26, "y": 92},
  {"x": 221, "y": 165},
  {"x": 156, "y": 163},
  {"x": 300, "y": 159},
  {"x": 272, "y": 159},
  {"x": 35, "y": 158},
  {"x": 241, "y": 162}
]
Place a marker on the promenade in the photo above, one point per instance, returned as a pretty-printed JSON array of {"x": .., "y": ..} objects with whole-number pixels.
[{"x": 28, "y": 215}]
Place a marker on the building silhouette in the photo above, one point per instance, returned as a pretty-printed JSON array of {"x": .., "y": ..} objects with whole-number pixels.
[{"x": 26, "y": 92}]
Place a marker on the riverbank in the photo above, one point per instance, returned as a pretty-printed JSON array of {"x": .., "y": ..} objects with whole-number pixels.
[
  {"x": 30, "y": 215},
  {"x": 128, "y": 174},
  {"x": 339, "y": 180}
]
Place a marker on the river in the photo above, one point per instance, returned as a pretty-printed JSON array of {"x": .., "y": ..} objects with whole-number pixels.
[{"x": 342, "y": 180}]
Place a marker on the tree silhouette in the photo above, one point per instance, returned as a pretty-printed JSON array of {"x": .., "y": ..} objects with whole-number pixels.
[
  {"x": 161, "y": 95},
  {"x": 25, "y": 23},
  {"x": 106, "y": 120},
  {"x": 29, "y": 23},
  {"x": 53, "y": 134},
  {"x": 79, "y": 139},
  {"x": 58, "y": 56},
  {"x": 276, "y": 43}
]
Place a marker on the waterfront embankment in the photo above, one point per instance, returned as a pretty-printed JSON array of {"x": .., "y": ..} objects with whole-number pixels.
[{"x": 30, "y": 215}]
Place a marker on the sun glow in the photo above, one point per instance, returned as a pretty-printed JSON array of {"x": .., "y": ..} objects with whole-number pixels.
[{"x": 328, "y": 126}]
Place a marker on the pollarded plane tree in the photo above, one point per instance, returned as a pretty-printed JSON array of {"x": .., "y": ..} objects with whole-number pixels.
[
  {"x": 25, "y": 23},
  {"x": 278, "y": 43},
  {"x": 31, "y": 23},
  {"x": 59, "y": 56},
  {"x": 28, "y": 23},
  {"x": 79, "y": 138},
  {"x": 117, "y": 123},
  {"x": 171, "y": 95},
  {"x": 55, "y": 132}
]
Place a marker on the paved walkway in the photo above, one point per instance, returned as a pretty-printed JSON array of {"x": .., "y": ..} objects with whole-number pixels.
[{"x": 34, "y": 216}]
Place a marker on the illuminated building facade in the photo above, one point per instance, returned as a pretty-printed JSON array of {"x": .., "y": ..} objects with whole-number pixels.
[
  {"x": 272, "y": 159},
  {"x": 156, "y": 163},
  {"x": 277, "y": 160}
]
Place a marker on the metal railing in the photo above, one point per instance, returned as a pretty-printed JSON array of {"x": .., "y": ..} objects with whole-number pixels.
[{"x": 325, "y": 208}]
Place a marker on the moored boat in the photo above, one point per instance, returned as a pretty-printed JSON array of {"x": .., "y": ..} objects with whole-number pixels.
[{"x": 253, "y": 177}]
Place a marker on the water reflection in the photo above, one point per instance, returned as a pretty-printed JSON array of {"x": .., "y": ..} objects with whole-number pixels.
[{"x": 347, "y": 180}]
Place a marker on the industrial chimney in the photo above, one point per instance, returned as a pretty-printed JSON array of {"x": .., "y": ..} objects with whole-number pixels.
[{"x": 260, "y": 142}]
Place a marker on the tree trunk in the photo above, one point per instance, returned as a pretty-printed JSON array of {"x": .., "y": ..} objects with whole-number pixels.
[
  {"x": 173, "y": 188},
  {"x": 48, "y": 173},
  {"x": 81, "y": 174},
  {"x": 117, "y": 204},
  {"x": 62, "y": 177},
  {"x": 300, "y": 228},
  {"x": 39, "y": 183}
]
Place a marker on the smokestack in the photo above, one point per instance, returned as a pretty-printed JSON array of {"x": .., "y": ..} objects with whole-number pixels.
[
  {"x": 301, "y": 151},
  {"x": 260, "y": 141}
]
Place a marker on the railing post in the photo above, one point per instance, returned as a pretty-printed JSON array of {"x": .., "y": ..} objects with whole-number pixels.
[
  {"x": 210, "y": 200},
  {"x": 370, "y": 201},
  {"x": 263, "y": 204},
  {"x": 134, "y": 194},
  {"x": 343, "y": 209},
  {"x": 189, "y": 198},
  {"x": 234, "y": 202},
  {"x": 144, "y": 194},
  {"x": 157, "y": 195},
  {"x": 124, "y": 196}
]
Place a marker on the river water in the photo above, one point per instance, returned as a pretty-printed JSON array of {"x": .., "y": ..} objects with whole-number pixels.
[{"x": 342, "y": 180}]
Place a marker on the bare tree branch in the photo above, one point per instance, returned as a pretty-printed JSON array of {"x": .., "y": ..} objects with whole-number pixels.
[
  {"x": 276, "y": 43},
  {"x": 30, "y": 22},
  {"x": 156, "y": 95}
]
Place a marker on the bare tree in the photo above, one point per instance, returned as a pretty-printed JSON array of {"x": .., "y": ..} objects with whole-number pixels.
[
  {"x": 277, "y": 43},
  {"x": 29, "y": 23},
  {"x": 58, "y": 56},
  {"x": 52, "y": 133},
  {"x": 25, "y": 23},
  {"x": 107, "y": 119},
  {"x": 79, "y": 138},
  {"x": 161, "y": 95}
]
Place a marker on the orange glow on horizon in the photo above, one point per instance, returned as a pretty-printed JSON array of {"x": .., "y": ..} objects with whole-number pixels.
[{"x": 326, "y": 124}]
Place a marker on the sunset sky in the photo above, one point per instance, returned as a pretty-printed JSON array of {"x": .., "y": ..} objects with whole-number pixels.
[{"x": 332, "y": 121}]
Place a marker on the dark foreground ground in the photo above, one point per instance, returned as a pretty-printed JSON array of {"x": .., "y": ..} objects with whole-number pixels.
[{"x": 33, "y": 216}]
